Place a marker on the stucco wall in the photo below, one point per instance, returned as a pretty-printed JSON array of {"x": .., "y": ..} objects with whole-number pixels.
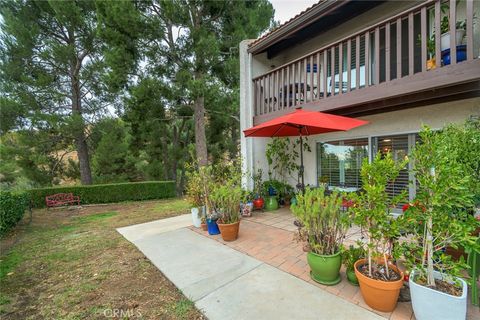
[{"x": 404, "y": 121}]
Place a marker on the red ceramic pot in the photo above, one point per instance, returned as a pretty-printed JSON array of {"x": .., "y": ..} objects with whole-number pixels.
[{"x": 258, "y": 203}]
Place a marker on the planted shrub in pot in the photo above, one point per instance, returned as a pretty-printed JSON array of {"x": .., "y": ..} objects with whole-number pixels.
[
  {"x": 322, "y": 225},
  {"x": 438, "y": 219},
  {"x": 258, "y": 201},
  {"x": 380, "y": 281},
  {"x": 226, "y": 198},
  {"x": 349, "y": 257},
  {"x": 195, "y": 196}
]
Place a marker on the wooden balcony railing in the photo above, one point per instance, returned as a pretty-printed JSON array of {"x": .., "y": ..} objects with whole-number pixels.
[{"x": 397, "y": 47}]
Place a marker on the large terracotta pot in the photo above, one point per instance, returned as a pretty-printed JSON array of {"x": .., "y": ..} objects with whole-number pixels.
[
  {"x": 229, "y": 231},
  {"x": 379, "y": 295}
]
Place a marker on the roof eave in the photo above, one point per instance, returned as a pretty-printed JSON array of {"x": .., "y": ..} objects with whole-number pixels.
[{"x": 301, "y": 21}]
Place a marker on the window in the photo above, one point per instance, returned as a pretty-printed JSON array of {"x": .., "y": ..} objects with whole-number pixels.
[{"x": 339, "y": 162}]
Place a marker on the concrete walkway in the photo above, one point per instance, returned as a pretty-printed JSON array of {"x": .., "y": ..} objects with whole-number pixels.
[{"x": 227, "y": 284}]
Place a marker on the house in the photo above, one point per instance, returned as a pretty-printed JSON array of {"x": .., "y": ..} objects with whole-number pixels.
[{"x": 380, "y": 61}]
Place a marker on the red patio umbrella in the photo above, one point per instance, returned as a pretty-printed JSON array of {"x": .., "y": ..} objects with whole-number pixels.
[{"x": 303, "y": 123}]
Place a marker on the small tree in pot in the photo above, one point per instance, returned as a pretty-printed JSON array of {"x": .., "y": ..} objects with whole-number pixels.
[
  {"x": 226, "y": 198},
  {"x": 323, "y": 226},
  {"x": 195, "y": 195},
  {"x": 438, "y": 219},
  {"x": 380, "y": 281}
]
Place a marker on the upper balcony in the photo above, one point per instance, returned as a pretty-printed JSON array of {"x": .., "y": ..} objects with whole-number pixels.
[{"x": 396, "y": 63}]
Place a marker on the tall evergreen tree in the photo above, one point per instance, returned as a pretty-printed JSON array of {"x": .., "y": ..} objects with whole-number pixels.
[
  {"x": 192, "y": 47},
  {"x": 52, "y": 66}
]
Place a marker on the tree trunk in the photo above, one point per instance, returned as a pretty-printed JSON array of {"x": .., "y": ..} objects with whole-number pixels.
[
  {"x": 200, "y": 137},
  {"x": 79, "y": 134}
]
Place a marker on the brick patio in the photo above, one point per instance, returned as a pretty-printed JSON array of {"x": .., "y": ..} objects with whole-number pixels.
[{"x": 269, "y": 237}]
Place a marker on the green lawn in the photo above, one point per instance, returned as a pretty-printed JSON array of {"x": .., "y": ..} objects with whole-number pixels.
[{"x": 73, "y": 264}]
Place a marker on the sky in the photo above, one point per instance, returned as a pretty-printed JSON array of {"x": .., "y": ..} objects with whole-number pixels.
[{"x": 286, "y": 9}]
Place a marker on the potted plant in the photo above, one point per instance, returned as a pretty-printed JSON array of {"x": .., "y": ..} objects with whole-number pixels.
[
  {"x": 438, "y": 219},
  {"x": 208, "y": 182},
  {"x": 431, "y": 62},
  {"x": 195, "y": 196},
  {"x": 379, "y": 279},
  {"x": 226, "y": 200},
  {"x": 349, "y": 257},
  {"x": 460, "y": 27},
  {"x": 258, "y": 201},
  {"x": 322, "y": 225}
]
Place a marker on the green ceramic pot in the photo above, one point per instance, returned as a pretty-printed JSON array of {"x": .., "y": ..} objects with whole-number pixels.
[
  {"x": 351, "y": 277},
  {"x": 271, "y": 203},
  {"x": 325, "y": 269}
]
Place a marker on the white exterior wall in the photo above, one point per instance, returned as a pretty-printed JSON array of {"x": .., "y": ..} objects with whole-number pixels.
[
  {"x": 397, "y": 122},
  {"x": 410, "y": 120}
]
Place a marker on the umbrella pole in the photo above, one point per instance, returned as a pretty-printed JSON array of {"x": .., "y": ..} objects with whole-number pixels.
[{"x": 301, "y": 162}]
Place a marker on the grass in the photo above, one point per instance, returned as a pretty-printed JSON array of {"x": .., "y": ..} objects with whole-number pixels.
[{"x": 73, "y": 264}]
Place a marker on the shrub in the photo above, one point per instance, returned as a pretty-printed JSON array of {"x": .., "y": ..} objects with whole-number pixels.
[
  {"x": 324, "y": 225},
  {"x": 12, "y": 208},
  {"x": 106, "y": 193}
]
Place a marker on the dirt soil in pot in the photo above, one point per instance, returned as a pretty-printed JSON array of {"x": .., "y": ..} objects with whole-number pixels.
[
  {"x": 379, "y": 273},
  {"x": 443, "y": 286}
]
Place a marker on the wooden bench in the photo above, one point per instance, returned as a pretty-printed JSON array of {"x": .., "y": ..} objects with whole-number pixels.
[{"x": 61, "y": 199}]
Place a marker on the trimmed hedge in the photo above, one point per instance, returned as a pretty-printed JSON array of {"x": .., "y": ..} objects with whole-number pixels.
[
  {"x": 106, "y": 193},
  {"x": 12, "y": 208}
]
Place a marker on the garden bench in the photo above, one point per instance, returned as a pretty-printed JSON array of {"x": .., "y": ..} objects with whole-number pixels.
[{"x": 61, "y": 199}]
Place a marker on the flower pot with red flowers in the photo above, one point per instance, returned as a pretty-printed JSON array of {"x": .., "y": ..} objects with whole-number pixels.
[{"x": 380, "y": 281}]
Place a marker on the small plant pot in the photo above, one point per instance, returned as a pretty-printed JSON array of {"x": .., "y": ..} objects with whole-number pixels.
[
  {"x": 258, "y": 203},
  {"x": 204, "y": 226},
  {"x": 351, "y": 277},
  {"x": 379, "y": 295},
  {"x": 271, "y": 203},
  {"x": 429, "y": 303},
  {"x": 229, "y": 231},
  {"x": 212, "y": 227},
  {"x": 197, "y": 221},
  {"x": 325, "y": 269},
  {"x": 431, "y": 64}
]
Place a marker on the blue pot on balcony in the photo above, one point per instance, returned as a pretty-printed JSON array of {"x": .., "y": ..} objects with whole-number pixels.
[
  {"x": 212, "y": 227},
  {"x": 461, "y": 54}
]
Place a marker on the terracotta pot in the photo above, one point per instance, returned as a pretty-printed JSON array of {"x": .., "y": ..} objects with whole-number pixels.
[
  {"x": 204, "y": 226},
  {"x": 379, "y": 295},
  {"x": 229, "y": 231},
  {"x": 431, "y": 64}
]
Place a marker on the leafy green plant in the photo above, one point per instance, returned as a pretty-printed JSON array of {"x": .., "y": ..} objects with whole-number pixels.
[
  {"x": 282, "y": 189},
  {"x": 371, "y": 210},
  {"x": 439, "y": 216},
  {"x": 323, "y": 224},
  {"x": 12, "y": 208},
  {"x": 352, "y": 255},
  {"x": 194, "y": 187},
  {"x": 226, "y": 196},
  {"x": 282, "y": 157},
  {"x": 106, "y": 193},
  {"x": 257, "y": 183}
]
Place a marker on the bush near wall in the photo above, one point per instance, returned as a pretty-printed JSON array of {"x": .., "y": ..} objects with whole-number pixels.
[
  {"x": 12, "y": 208},
  {"x": 107, "y": 193}
]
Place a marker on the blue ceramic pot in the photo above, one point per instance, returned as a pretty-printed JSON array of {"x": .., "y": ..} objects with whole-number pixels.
[{"x": 212, "y": 227}]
